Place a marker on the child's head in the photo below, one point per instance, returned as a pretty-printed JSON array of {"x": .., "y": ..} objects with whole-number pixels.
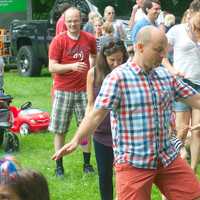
[
  {"x": 92, "y": 15},
  {"x": 97, "y": 23},
  {"x": 21, "y": 184},
  {"x": 169, "y": 20},
  {"x": 107, "y": 28}
]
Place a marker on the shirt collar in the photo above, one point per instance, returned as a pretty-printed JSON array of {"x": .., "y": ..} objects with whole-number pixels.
[
  {"x": 135, "y": 67},
  {"x": 138, "y": 70}
]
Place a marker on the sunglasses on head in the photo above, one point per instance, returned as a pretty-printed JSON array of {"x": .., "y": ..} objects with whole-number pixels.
[{"x": 112, "y": 45}]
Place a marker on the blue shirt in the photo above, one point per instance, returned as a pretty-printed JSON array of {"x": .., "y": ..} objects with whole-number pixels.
[{"x": 137, "y": 26}]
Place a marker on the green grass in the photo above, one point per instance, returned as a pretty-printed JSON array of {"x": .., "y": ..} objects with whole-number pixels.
[{"x": 36, "y": 149}]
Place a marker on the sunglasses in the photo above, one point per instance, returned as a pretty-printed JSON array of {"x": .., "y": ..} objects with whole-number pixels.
[
  {"x": 111, "y": 13},
  {"x": 113, "y": 43}
]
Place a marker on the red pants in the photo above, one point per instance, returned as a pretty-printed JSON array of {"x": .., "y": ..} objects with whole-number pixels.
[{"x": 176, "y": 182}]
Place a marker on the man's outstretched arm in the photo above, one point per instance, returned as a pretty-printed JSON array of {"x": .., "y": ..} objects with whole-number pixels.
[{"x": 88, "y": 125}]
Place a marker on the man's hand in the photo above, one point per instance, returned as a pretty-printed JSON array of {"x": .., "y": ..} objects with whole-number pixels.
[
  {"x": 66, "y": 149},
  {"x": 79, "y": 67},
  {"x": 182, "y": 134},
  {"x": 178, "y": 74},
  {"x": 195, "y": 127},
  {"x": 170, "y": 68}
]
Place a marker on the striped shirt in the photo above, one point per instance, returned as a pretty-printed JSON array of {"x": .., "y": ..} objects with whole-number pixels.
[{"x": 141, "y": 106}]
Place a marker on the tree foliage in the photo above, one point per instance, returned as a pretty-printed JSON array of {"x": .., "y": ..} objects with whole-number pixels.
[
  {"x": 123, "y": 8},
  {"x": 41, "y": 8},
  {"x": 42, "y": 5},
  {"x": 177, "y": 7}
]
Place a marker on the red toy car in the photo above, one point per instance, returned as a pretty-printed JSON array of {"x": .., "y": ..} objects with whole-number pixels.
[{"x": 28, "y": 119}]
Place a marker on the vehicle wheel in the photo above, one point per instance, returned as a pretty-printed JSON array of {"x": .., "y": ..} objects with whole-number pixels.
[
  {"x": 10, "y": 142},
  {"x": 24, "y": 129},
  {"x": 28, "y": 63}
]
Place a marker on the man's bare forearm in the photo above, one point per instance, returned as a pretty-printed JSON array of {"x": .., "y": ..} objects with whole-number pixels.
[
  {"x": 59, "y": 68},
  {"x": 193, "y": 101},
  {"x": 89, "y": 123}
]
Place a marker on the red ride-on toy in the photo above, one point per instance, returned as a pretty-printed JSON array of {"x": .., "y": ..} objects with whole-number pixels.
[{"x": 28, "y": 119}]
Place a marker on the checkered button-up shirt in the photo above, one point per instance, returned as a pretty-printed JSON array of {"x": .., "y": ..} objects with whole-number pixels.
[{"x": 141, "y": 106}]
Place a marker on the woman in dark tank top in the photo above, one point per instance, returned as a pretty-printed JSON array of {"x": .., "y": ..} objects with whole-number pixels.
[{"x": 110, "y": 56}]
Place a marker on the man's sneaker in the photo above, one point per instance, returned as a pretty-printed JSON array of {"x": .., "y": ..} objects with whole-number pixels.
[
  {"x": 87, "y": 168},
  {"x": 59, "y": 172}
]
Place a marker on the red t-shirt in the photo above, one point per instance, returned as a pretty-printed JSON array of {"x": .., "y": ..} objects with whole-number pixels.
[
  {"x": 60, "y": 25},
  {"x": 66, "y": 51}
]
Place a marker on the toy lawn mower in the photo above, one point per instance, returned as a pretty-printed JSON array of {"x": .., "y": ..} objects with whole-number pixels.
[{"x": 8, "y": 139}]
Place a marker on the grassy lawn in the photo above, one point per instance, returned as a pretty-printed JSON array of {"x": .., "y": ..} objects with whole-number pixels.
[{"x": 36, "y": 149}]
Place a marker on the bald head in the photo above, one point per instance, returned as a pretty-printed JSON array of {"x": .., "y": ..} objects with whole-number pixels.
[
  {"x": 150, "y": 47},
  {"x": 148, "y": 34},
  {"x": 73, "y": 21},
  {"x": 72, "y": 10}
]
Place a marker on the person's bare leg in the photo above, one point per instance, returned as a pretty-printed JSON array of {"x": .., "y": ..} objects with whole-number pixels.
[
  {"x": 59, "y": 140},
  {"x": 182, "y": 120},
  {"x": 195, "y": 140}
]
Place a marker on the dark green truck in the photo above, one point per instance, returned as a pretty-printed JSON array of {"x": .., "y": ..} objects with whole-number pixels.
[{"x": 30, "y": 39}]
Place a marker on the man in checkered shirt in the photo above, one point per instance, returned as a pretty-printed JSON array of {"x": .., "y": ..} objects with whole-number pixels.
[{"x": 139, "y": 95}]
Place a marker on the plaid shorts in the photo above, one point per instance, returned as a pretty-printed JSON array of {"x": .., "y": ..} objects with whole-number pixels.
[{"x": 64, "y": 105}]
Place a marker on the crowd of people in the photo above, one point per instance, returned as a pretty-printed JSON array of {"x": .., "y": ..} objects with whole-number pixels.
[{"x": 138, "y": 99}]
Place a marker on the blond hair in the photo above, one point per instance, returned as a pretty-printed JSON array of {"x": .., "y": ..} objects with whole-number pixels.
[
  {"x": 186, "y": 16},
  {"x": 92, "y": 15},
  {"x": 169, "y": 20},
  {"x": 108, "y": 28}
]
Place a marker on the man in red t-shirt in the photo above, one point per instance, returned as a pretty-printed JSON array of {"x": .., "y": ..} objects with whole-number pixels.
[{"x": 69, "y": 55}]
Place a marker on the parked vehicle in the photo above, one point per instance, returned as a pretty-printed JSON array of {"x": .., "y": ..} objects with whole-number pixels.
[{"x": 28, "y": 40}]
